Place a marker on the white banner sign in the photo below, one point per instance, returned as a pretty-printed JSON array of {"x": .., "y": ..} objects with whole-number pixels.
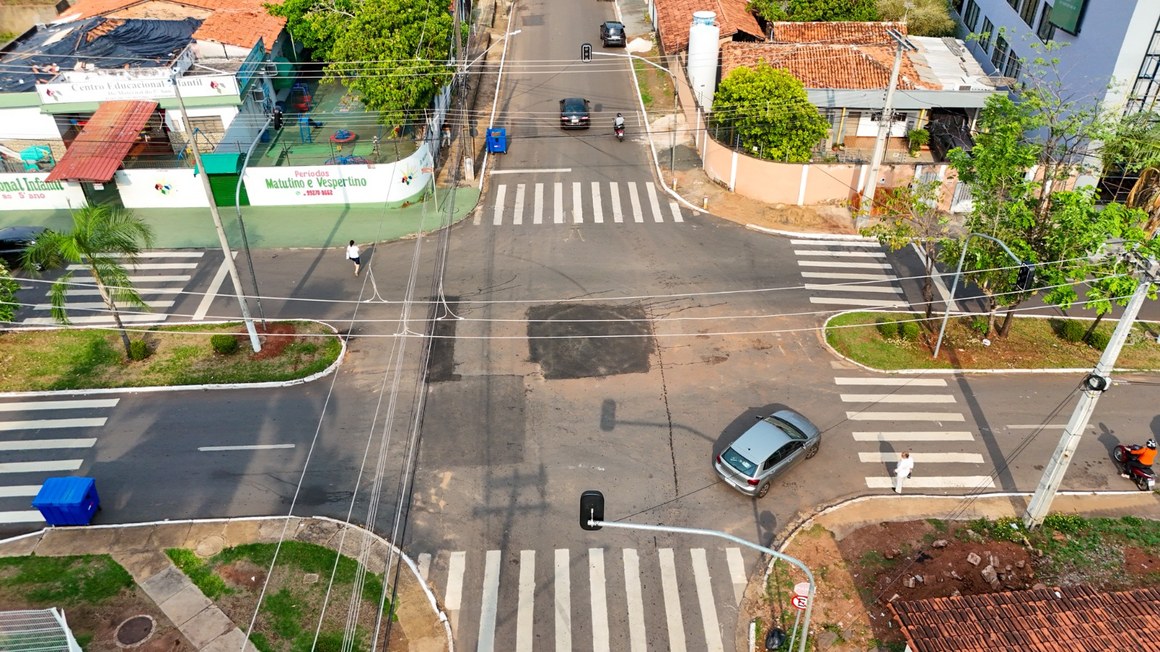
[
  {"x": 338, "y": 184},
  {"x": 98, "y": 89},
  {"x": 31, "y": 192}
]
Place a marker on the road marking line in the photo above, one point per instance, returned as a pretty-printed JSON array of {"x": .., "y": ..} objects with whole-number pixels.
[
  {"x": 28, "y": 516},
  {"x": 500, "y": 192},
  {"x": 577, "y": 204},
  {"x": 84, "y": 403},
  {"x": 40, "y": 467},
  {"x": 917, "y": 435},
  {"x": 845, "y": 287},
  {"x": 597, "y": 209},
  {"x": 533, "y": 171},
  {"x": 841, "y": 243},
  {"x": 1050, "y": 426},
  {"x": 676, "y": 209},
  {"x": 558, "y": 203},
  {"x": 673, "y": 615},
  {"x": 617, "y": 211},
  {"x": 526, "y": 609},
  {"x": 599, "y": 599},
  {"x": 453, "y": 599},
  {"x": 518, "y": 210},
  {"x": 126, "y": 319},
  {"x": 634, "y": 199},
  {"x": 924, "y": 458},
  {"x": 141, "y": 291},
  {"x": 159, "y": 254},
  {"x": 843, "y": 264},
  {"x": 490, "y": 602},
  {"x": 893, "y": 382},
  {"x": 214, "y": 287},
  {"x": 868, "y": 303},
  {"x": 100, "y": 305},
  {"x": 651, "y": 188},
  {"x": 705, "y": 598},
  {"x": 140, "y": 266},
  {"x": 563, "y": 602},
  {"x": 737, "y": 572},
  {"x": 635, "y": 596},
  {"x": 47, "y": 444},
  {"x": 925, "y": 482},
  {"x": 904, "y": 416},
  {"x": 898, "y": 398},
  {"x": 840, "y": 254},
  {"x": 845, "y": 276},
  {"x": 425, "y": 565},
  {"x": 30, "y": 424},
  {"x": 19, "y": 491},
  {"x": 538, "y": 205},
  {"x": 251, "y": 447},
  {"x": 179, "y": 278}
]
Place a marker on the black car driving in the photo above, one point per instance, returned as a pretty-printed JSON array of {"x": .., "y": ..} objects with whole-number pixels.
[
  {"x": 15, "y": 240},
  {"x": 574, "y": 113}
]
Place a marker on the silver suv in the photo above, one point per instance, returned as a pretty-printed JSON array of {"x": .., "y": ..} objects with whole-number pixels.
[{"x": 767, "y": 449}]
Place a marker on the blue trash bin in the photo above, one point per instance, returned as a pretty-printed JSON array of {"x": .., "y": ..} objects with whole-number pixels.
[
  {"x": 67, "y": 501},
  {"x": 497, "y": 141}
]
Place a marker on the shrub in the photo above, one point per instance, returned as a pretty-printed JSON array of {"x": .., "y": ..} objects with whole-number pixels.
[
  {"x": 979, "y": 325},
  {"x": 1071, "y": 330},
  {"x": 888, "y": 328},
  {"x": 916, "y": 139},
  {"x": 908, "y": 330},
  {"x": 1099, "y": 340},
  {"x": 138, "y": 350},
  {"x": 224, "y": 344}
]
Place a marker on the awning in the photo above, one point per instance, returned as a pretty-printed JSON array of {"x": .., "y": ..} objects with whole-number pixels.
[{"x": 104, "y": 142}]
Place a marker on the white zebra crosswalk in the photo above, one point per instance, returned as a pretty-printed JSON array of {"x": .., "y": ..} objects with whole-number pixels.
[
  {"x": 852, "y": 273},
  {"x": 578, "y": 202},
  {"x": 593, "y": 598},
  {"x": 27, "y": 458},
  {"x": 943, "y": 459}
]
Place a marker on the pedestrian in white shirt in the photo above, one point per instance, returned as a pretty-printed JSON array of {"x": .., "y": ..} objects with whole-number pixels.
[
  {"x": 353, "y": 254},
  {"x": 902, "y": 471}
]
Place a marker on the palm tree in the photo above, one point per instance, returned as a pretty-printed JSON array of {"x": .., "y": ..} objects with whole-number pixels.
[{"x": 102, "y": 239}]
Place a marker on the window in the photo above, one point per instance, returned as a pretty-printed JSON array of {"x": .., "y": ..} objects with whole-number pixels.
[
  {"x": 971, "y": 18},
  {"x": 1014, "y": 4},
  {"x": 1046, "y": 30},
  {"x": 957, "y": 5},
  {"x": 1030, "y": 8},
  {"x": 999, "y": 56},
  {"x": 985, "y": 35},
  {"x": 1014, "y": 66}
]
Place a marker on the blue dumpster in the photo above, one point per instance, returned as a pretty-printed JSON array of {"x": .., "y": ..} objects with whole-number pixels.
[
  {"x": 497, "y": 141},
  {"x": 67, "y": 501}
]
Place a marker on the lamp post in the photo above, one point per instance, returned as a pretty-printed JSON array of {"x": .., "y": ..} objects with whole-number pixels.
[
  {"x": 498, "y": 80},
  {"x": 592, "y": 518},
  {"x": 242, "y": 223},
  {"x": 955, "y": 284}
]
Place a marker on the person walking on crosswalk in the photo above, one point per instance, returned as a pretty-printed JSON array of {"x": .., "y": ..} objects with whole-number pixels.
[
  {"x": 902, "y": 471},
  {"x": 353, "y": 255}
]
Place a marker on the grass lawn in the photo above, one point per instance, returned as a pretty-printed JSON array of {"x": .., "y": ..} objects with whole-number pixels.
[
  {"x": 1033, "y": 343},
  {"x": 66, "y": 359}
]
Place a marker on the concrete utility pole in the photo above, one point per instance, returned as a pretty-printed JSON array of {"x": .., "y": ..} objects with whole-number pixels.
[
  {"x": 1094, "y": 384},
  {"x": 884, "y": 125},
  {"x": 217, "y": 222}
]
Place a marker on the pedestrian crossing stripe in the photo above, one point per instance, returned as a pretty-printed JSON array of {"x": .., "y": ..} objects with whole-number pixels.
[{"x": 593, "y": 202}]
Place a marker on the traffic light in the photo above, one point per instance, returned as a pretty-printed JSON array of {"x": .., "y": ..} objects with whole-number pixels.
[
  {"x": 586, "y": 52},
  {"x": 591, "y": 509},
  {"x": 277, "y": 119},
  {"x": 1025, "y": 276}
]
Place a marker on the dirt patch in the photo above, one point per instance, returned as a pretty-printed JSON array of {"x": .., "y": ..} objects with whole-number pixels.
[{"x": 275, "y": 337}]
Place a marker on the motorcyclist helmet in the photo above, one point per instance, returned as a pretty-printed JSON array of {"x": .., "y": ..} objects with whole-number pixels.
[
  {"x": 619, "y": 115},
  {"x": 1151, "y": 443}
]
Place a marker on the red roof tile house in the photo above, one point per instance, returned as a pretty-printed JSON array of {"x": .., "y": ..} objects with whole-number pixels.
[
  {"x": 672, "y": 18},
  {"x": 1070, "y": 619}
]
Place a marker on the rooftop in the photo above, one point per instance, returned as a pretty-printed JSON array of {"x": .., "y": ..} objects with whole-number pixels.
[
  {"x": 232, "y": 22},
  {"x": 675, "y": 17},
  {"x": 833, "y": 33}
]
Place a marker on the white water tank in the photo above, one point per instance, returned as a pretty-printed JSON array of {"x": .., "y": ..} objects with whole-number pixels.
[{"x": 704, "y": 36}]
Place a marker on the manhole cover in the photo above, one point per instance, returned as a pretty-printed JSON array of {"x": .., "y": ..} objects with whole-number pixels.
[{"x": 134, "y": 630}]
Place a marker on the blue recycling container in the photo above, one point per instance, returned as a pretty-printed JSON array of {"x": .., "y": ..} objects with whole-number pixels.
[
  {"x": 497, "y": 140},
  {"x": 67, "y": 501}
]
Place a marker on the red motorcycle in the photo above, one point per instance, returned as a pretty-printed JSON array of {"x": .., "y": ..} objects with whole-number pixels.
[{"x": 1143, "y": 477}]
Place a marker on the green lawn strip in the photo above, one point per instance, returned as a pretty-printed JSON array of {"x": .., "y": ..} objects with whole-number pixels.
[
  {"x": 65, "y": 581},
  {"x": 1033, "y": 343},
  {"x": 199, "y": 572},
  {"x": 180, "y": 355}
]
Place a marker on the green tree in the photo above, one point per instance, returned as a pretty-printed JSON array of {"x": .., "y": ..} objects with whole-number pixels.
[
  {"x": 8, "y": 287},
  {"x": 911, "y": 215},
  {"x": 769, "y": 114},
  {"x": 101, "y": 239},
  {"x": 815, "y": 10},
  {"x": 316, "y": 23},
  {"x": 1133, "y": 148},
  {"x": 923, "y": 17}
]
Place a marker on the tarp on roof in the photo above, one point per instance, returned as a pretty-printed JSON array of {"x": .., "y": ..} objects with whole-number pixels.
[
  {"x": 106, "y": 43},
  {"x": 104, "y": 142}
]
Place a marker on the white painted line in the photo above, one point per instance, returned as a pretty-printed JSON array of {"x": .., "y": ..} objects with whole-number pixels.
[
  {"x": 27, "y": 516},
  {"x": 126, "y": 319},
  {"x": 837, "y": 243},
  {"x": 140, "y": 266},
  {"x": 84, "y": 403},
  {"x": 100, "y": 305},
  {"x": 737, "y": 572},
  {"x": 20, "y": 491},
  {"x": 867, "y": 303},
  {"x": 904, "y": 416},
  {"x": 651, "y": 188},
  {"x": 500, "y": 192},
  {"x": 252, "y": 447},
  {"x": 705, "y": 598},
  {"x": 215, "y": 286},
  {"x": 32, "y": 424},
  {"x": 142, "y": 291},
  {"x": 538, "y": 205},
  {"x": 673, "y": 616},
  {"x": 577, "y": 204},
  {"x": 425, "y": 565},
  {"x": 47, "y": 444},
  {"x": 676, "y": 210},
  {"x": 453, "y": 599},
  {"x": 526, "y": 607},
  {"x": 563, "y": 602},
  {"x": 140, "y": 279},
  {"x": 843, "y": 264},
  {"x": 597, "y": 207},
  {"x": 40, "y": 467},
  {"x": 898, "y": 398},
  {"x": 534, "y": 171},
  {"x": 1032, "y": 426},
  {"x": 839, "y": 254},
  {"x": 635, "y": 596},
  {"x": 617, "y": 211},
  {"x": 490, "y": 602},
  {"x": 599, "y": 597},
  {"x": 893, "y": 382},
  {"x": 518, "y": 210},
  {"x": 850, "y": 276},
  {"x": 558, "y": 204},
  {"x": 924, "y": 458},
  {"x": 925, "y": 482},
  {"x": 915, "y": 435},
  {"x": 845, "y": 287},
  {"x": 634, "y": 199},
  {"x": 160, "y": 254}
]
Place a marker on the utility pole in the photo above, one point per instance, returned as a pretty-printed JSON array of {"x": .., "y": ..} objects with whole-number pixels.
[
  {"x": 217, "y": 222},
  {"x": 884, "y": 125},
  {"x": 1094, "y": 384}
]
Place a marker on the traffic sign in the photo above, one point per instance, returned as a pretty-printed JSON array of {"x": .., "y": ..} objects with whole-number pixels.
[{"x": 800, "y": 601}]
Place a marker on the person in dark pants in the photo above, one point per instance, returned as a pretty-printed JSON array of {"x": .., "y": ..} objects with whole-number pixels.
[{"x": 353, "y": 255}]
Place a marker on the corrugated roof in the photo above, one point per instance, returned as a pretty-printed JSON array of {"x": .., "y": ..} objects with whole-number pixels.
[
  {"x": 841, "y": 67},
  {"x": 104, "y": 142},
  {"x": 848, "y": 32},
  {"x": 1069, "y": 619},
  {"x": 233, "y": 22},
  {"x": 675, "y": 17}
]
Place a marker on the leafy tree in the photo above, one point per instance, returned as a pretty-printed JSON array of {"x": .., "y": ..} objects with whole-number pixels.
[
  {"x": 769, "y": 113},
  {"x": 910, "y": 215},
  {"x": 815, "y": 10},
  {"x": 316, "y": 23},
  {"x": 102, "y": 237},
  {"x": 8, "y": 287},
  {"x": 1134, "y": 148},
  {"x": 923, "y": 17}
]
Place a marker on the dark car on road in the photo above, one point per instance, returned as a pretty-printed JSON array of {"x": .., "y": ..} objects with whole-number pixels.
[
  {"x": 612, "y": 33},
  {"x": 574, "y": 113},
  {"x": 15, "y": 240},
  {"x": 769, "y": 448}
]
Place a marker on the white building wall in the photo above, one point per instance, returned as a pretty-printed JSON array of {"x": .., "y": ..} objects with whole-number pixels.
[{"x": 27, "y": 123}]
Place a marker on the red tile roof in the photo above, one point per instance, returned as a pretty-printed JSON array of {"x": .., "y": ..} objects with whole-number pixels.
[
  {"x": 1071, "y": 619},
  {"x": 841, "y": 67},
  {"x": 232, "y": 22},
  {"x": 104, "y": 142},
  {"x": 674, "y": 17},
  {"x": 850, "y": 33}
]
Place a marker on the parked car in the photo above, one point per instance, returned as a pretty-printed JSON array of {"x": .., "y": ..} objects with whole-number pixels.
[
  {"x": 15, "y": 240},
  {"x": 769, "y": 448},
  {"x": 574, "y": 113},
  {"x": 612, "y": 33}
]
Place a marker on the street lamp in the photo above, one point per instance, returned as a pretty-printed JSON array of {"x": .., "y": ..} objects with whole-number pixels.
[
  {"x": 592, "y": 518},
  {"x": 498, "y": 80},
  {"x": 1024, "y": 280}
]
